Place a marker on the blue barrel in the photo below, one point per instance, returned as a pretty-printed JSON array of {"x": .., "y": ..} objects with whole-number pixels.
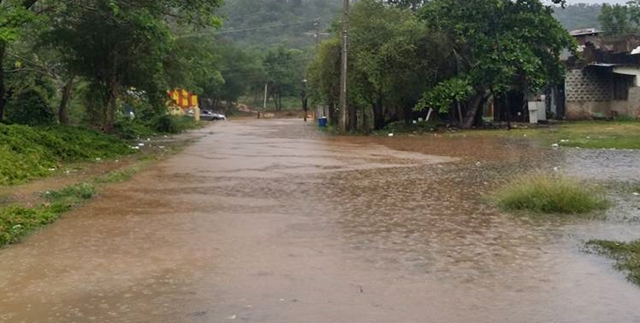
[{"x": 322, "y": 122}]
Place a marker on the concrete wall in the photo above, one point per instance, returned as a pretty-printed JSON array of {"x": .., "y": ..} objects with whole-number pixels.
[
  {"x": 589, "y": 93},
  {"x": 587, "y": 110},
  {"x": 589, "y": 85},
  {"x": 631, "y": 107}
]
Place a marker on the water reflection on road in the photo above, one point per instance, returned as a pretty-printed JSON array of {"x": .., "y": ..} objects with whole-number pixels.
[{"x": 270, "y": 221}]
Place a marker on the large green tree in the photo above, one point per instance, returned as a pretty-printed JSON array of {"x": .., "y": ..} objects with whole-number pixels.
[
  {"x": 14, "y": 14},
  {"x": 499, "y": 45},
  {"x": 284, "y": 70},
  {"x": 617, "y": 20},
  {"x": 116, "y": 44},
  {"x": 393, "y": 57}
]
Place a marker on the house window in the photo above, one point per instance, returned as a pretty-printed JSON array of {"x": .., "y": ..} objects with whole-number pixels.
[{"x": 621, "y": 85}]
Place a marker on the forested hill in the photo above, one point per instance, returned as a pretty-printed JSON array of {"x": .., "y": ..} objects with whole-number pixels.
[
  {"x": 579, "y": 16},
  {"x": 267, "y": 23},
  {"x": 264, "y": 24}
]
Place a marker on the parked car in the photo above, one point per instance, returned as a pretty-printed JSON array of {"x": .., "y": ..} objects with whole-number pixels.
[{"x": 207, "y": 115}]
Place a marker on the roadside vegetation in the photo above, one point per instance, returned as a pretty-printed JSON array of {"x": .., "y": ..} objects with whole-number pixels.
[
  {"x": 626, "y": 255},
  {"x": 597, "y": 135},
  {"x": 17, "y": 221},
  {"x": 33, "y": 152},
  {"x": 550, "y": 194},
  {"x": 23, "y": 214}
]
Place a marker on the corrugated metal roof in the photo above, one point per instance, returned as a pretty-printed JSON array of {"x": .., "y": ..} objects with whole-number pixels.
[{"x": 586, "y": 31}]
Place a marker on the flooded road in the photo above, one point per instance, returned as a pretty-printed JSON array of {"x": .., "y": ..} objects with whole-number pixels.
[{"x": 270, "y": 221}]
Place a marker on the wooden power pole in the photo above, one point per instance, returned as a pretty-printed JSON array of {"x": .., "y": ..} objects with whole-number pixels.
[{"x": 344, "y": 68}]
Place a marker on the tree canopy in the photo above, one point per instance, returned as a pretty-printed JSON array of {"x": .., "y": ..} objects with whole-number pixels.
[
  {"x": 619, "y": 19},
  {"x": 443, "y": 53}
]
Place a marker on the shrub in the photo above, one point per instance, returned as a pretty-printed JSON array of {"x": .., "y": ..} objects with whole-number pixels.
[
  {"x": 173, "y": 124},
  {"x": 128, "y": 129},
  {"x": 550, "y": 194},
  {"x": 30, "y": 108}
]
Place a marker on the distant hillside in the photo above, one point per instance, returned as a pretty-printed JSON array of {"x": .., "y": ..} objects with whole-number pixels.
[
  {"x": 262, "y": 24},
  {"x": 579, "y": 16},
  {"x": 268, "y": 23}
]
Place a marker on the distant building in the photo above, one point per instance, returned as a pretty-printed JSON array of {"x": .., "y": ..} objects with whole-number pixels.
[{"x": 604, "y": 82}]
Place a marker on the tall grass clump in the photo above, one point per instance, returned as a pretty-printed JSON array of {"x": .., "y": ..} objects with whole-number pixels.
[{"x": 541, "y": 193}]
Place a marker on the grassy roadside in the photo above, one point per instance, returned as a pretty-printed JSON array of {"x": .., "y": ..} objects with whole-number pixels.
[
  {"x": 24, "y": 209},
  {"x": 29, "y": 153},
  {"x": 18, "y": 220},
  {"x": 582, "y": 134},
  {"x": 626, "y": 255}
]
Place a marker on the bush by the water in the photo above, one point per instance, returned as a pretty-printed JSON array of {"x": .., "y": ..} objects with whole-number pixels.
[
  {"x": 550, "y": 194},
  {"x": 173, "y": 124},
  {"x": 31, "y": 152},
  {"x": 132, "y": 129}
]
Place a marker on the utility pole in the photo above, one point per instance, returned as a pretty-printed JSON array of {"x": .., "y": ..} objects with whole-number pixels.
[
  {"x": 344, "y": 69},
  {"x": 266, "y": 89}
]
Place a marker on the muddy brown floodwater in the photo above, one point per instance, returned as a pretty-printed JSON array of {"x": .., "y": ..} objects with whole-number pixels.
[{"x": 270, "y": 221}]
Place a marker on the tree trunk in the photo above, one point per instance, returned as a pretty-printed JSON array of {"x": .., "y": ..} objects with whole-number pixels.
[
  {"x": 63, "y": 112},
  {"x": 378, "y": 114},
  {"x": 279, "y": 102},
  {"x": 476, "y": 103},
  {"x": 365, "y": 121},
  {"x": 333, "y": 117},
  {"x": 408, "y": 114},
  {"x": 110, "y": 116},
  {"x": 3, "y": 90},
  {"x": 353, "y": 118}
]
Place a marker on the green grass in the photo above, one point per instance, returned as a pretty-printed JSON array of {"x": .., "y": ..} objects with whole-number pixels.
[
  {"x": 550, "y": 194},
  {"x": 582, "y": 134},
  {"x": 597, "y": 135},
  {"x": 626, "y": 255},
  {"x": 17, "y": 221},
  {"x": 33, "y": 152},
  {"x": 70, "y": 196}
]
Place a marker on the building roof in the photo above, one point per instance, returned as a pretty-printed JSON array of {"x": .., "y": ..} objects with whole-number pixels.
[{"x": 585, "y": 32}]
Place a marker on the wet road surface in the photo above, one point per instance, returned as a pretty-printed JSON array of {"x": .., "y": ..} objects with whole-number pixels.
[{"x": 270, "y": 221}]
